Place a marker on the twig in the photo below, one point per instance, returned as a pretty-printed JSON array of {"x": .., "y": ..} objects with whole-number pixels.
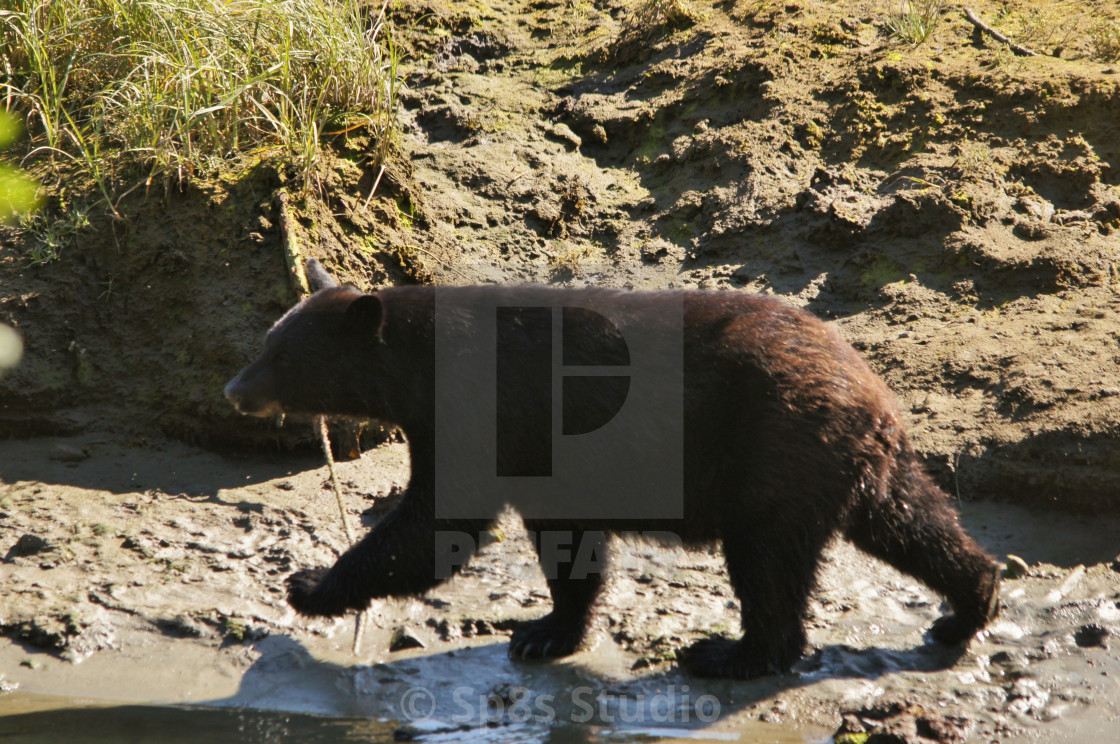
[
  {"x": 957, "y": 475},
  {"x": 325, "y": 440},
  {"x": 443, "y": 261},
  {"x": 1019, "y": 49},
  {"x": 376, "y": 181},
  {"x": 290, "y": 247}
]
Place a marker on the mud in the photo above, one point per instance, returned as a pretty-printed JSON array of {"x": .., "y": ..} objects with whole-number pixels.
[
  {"x": 953, "y": 208},
  {"x": 160, "y": 580}
]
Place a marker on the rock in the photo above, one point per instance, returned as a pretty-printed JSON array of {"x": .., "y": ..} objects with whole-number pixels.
[
  {"x": 1035, "y": 206},
  {"x": 181, "y": 626},
  {"x": 405, "y": 639},
  {"x": 1093, "y": 634},
  {"x": 1015, "y": 568},
  {"x": 29, "y": 544},
  {"x": 902, "y": 721},
  {"x": 68, "y": 453},
  {"x": 656, "y": 250},
  {"x": 563, "y": 133}
]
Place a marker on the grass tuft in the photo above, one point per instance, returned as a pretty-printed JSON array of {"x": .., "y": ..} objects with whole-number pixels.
[
  {"x": 914, "y": 21},
  {"x": 646, "y": 20},
  {"x": 136, "y": 91},
  {"x": 1104, "y": 41}
]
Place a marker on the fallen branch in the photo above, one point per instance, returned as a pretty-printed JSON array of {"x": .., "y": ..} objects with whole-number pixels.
[
  {"x": 1019, "y": 49},
  {"x": 290, "y": 246}
]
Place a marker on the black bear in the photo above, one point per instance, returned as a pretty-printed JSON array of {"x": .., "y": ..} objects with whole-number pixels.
[{"x": 783, "y": 437}]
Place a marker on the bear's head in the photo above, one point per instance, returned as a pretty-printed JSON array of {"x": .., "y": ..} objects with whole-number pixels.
[{"x": 322, "y": 357}]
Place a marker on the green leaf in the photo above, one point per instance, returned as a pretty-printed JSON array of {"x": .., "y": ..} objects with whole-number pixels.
[{"x": 18, "y": 193}]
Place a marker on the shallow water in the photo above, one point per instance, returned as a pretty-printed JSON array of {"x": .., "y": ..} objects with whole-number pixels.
[{"x": 34, "y": 719}]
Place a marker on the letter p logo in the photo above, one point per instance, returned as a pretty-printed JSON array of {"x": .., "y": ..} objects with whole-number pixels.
[
  {"x": 563, "y": 404},
  {"x": 592, "y": 352}
]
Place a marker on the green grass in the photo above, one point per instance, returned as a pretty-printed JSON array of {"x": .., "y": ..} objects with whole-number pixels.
[
  {"x": 914, "y": 21},
  {"x": 1104, "y": 41},
  {"x": 154, "y": 91}
]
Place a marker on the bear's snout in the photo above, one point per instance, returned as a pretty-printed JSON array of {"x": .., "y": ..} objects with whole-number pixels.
[{"x": 247, "y": 398}]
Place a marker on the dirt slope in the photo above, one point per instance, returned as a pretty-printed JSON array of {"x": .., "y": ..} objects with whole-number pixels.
[{"x": 953, "y": 206}]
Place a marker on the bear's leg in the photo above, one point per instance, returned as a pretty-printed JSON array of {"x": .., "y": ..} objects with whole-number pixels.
[
  {"x": 772, "y": 563},
  {"x": 573, "y": 562},
  {"x": 916, "y": 529},
  {"x": 405, "y": 554}
]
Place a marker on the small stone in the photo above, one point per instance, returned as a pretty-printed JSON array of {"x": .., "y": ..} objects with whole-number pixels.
[
  {"x": 30, "y": 545},
  {"x": 563, "y": 133},
  {"x": 68, "y": 453},
  {"x": 405, "y": 639},
  {"x": 1016, "y": 567},
  {"x": 1092, "y": 634}
]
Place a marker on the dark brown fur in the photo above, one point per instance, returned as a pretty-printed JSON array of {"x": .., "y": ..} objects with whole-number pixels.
[{"x": 789, "y": 437}]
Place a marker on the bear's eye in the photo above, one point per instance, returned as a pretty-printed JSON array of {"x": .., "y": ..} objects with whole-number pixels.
[{"x": 283, "y": 361}]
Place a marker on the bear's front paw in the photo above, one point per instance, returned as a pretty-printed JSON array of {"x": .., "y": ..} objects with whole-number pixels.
[
  {"x": 306, "y": 594},
  {"x": 953, "y": 630}
]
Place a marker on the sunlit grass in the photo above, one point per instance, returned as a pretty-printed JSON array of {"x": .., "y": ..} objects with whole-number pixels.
[
  {"x": 142, "y": 90},
  {"x": 914, "y": 21}
]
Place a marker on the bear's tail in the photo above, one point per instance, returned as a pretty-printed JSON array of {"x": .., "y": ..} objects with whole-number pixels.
[{"x": 913, "y": 525}]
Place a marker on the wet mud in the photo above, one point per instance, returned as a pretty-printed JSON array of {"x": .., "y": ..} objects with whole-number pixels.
[{"x": 158, "y": 578}]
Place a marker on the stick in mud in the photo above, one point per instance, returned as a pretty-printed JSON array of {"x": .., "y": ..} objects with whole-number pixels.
[
  {"x": 290, "y": 247},
  {"x": 1019, "y": 49},
  {"x": 324, "y": 439}
]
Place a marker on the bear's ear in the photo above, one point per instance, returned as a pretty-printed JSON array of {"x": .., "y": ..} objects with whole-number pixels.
[
  {"x": 317, "y": 276},
  {"x": 363, "y": 317}
]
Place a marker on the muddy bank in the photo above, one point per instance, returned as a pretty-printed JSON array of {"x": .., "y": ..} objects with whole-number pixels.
[
  {"x": 157, "y": 576},
  {"x": 954, "y": 208}
]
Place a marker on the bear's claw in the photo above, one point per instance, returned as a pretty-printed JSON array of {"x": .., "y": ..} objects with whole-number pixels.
[{"x": 545, "y": 638}]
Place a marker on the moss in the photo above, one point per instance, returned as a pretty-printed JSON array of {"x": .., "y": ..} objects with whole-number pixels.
[{"x": 882, "y": 272}]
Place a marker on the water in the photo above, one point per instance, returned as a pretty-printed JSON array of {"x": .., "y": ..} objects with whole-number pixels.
[{"x": 35, "y": 719}]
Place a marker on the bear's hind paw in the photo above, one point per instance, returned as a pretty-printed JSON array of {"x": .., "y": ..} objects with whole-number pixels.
[
  {"x": 545, "y": 638},
  {"x": 725, "y": 658},
  {"x": 953, "y": 630}
]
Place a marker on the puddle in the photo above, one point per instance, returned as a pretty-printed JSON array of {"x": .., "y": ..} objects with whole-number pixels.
[{"x": 34, "y": 719}]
